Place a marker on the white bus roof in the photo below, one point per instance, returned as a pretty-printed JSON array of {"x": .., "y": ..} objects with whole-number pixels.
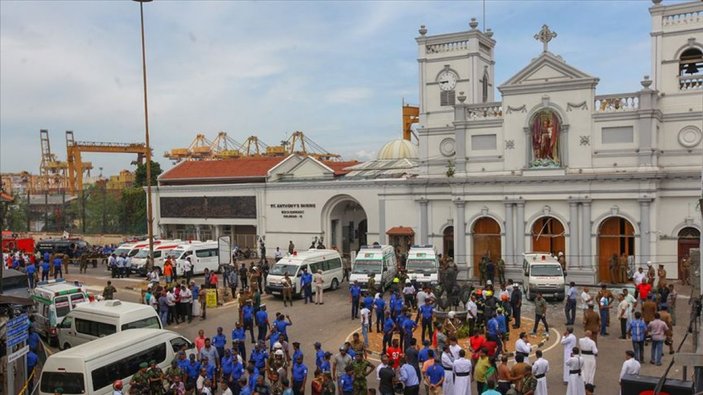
[
  {"x": 106, "y": 345},
  {"x": 311, "y": 253},
  {"x": 112, "y": 308}
]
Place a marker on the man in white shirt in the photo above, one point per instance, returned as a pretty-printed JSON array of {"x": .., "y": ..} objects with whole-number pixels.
[
  {"x": 472, "y": 312},
  {"x": 186, "y": 303},
  {"x": 365, "y": 315},
  {"x": 421, "y": 297},
  {"x": 624, "y": 315},
  {"x": 589, "y": 351},
  {"x": 586, "y": 300},
  {"x": 523, "y": 347},
  {"x": 278, "y": 254},
  {"x": 539, "y": 370},
  {"x": 637, "y": 278},
  {"x": 568, "y": 342},
  {"x": 447, "y": 361},
  {"x": 630, "y": 366},
  {"x": 574, "y": 364}
]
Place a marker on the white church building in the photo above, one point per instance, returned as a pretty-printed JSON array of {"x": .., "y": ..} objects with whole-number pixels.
[{"x": 554, "y": 166}]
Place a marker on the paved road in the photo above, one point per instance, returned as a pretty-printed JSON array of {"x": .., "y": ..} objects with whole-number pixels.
[{"x": 330, "y": 324}]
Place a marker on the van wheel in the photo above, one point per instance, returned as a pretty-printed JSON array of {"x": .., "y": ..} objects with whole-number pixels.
[{"x": 335, "y": 284}]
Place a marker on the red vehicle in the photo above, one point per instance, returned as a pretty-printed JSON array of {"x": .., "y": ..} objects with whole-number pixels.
[{"x": 11, "y": 241}]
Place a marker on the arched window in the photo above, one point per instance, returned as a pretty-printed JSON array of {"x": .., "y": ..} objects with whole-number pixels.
[
  {"x": 484, "y": 85},
  {"x": 691, "y": 62}
]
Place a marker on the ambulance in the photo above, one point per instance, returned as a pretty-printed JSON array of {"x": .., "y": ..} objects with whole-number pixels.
[
  {"x": 161, "y": 251},
  {"x": 53, "y": 300},
  {"x": 377, "y": 261},
  {"x": 422, "y": 264},
  {"x": 542, "y": 273}
]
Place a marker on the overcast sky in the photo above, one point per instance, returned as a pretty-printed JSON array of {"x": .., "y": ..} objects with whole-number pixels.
[{"x": 336, "y": 70}]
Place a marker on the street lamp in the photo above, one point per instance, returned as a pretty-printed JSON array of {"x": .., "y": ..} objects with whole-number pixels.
[{"x": 149, "y": 218}]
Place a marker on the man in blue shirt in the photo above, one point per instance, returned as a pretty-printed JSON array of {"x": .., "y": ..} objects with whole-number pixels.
[
  {"x": 570, "y": 306},
  {"x": 380, "y": 306},
  {"x": 193, "y": 369},
  {"x": 355, "y": 294},
  {"x": 388, "y": 327},
  {"x": 33, "y": 339},
  {"x": 637, "y": 330},
  {"x": 239, "y": 339},
  {"x": 493, "y": 332},
  {"x": 296, "y": 351},
  {"x": 273, "y": 337},
  {"x": 57, "y": 267},
  {"x": 219, "y": 341},
  {"x": 423, "y": 355},
  {"x": 397, "y": 304},
  {"x": 262, "y": 322},
  {"x": 300, "y": 376},
  {"x": 30, "y": 269},
  {"x": 326, "y": 365},
  {"x": 45, "y": 268},
  {"x": 319, "y": 355},
  {"x": 281, "y": 323},
  {"x": 434, "y": 378},
  {"x": 425, "y": 312},
  {"x": 259, "y": 356},
  {"x": 237, "y": 367},
  {"x": 346, "y": 382},
  {"x": 408, "y": 376},
  {"x": 408, "y": 329},
  {"x": 306, "y": 283},
  {"x": 32, "y": 360},
  {"x": 248, "y": 318}
]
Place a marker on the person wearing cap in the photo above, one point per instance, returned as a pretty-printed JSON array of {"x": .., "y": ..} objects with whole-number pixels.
[
  {"x": 262, "y": 322},
  {"x": 319, "y": 282},
  {"x": 319, "y": 354},
  {"x": 425, "y": 313},
  {"x": 140, "y": 380},
  {"x": 259, "y": 356},
  {"x": 306, "y": 283},
  {"x": 605, "y": 300},
  {"x": 299, "y": 373},
  {"x": 379, "y": 306},
  {"x": 239, "y": 339},
  {"x": 248, "y": 318},
  {"x": 156, "y": 378},
  {"x": 570, "y": 305},
  {"x": 219, "y": 341},
  {"x": 173, "y": 371},
  {"x": 326, "y": 364},
  {"x": 661, "y": 273},
  {"x": 650, "y": 272},
  {"x": 354, "y": 297},
  {"x": 540, "y": 314},
  {"x": 409, "y": 294}
]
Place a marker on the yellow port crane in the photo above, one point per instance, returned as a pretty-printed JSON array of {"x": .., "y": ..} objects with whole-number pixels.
[
  {"x": 299, "y": 144},
  {"x": 225, "y": 147},
  {"x": 199, "y": 148},
  {"x": 254, "y": 147},
  {"x": 411, "y": 115},
  {"x": 76, "y": 167}
]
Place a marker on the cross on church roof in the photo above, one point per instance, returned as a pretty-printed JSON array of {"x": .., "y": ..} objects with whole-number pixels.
[{"x": 545, "y": 36}]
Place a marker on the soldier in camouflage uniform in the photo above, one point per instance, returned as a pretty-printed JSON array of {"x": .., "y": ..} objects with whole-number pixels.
[
  {"x": 361, "y": 369},
  {"x": 372, "y": 284},
  {"x": 500, "y": 269},
  {"x": 482, "y": 269},
  {"x": 156, "y": 379},
  {"x": 140, "y": 380},
  {"x": 173, "y": 371}
]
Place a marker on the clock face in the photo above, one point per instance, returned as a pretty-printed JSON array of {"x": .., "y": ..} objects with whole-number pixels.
[{"x": 447, "y": 80}]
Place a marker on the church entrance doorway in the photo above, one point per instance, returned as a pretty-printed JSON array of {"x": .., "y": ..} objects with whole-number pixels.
[
  {"x": 548, "y": 236},
  {"x": 346, "y": 225},
  {"x": 448, "y": 242},
  {"x": 485, "y": 241},
  {"x": 689, "y": 237},
  {"x": 616, "y": 247}
]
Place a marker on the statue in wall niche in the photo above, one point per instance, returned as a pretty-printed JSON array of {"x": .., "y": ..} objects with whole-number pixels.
[{"x": 545, "y": 128}]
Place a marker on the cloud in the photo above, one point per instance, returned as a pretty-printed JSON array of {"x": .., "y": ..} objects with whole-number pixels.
[{"x": 348, "y": 95}]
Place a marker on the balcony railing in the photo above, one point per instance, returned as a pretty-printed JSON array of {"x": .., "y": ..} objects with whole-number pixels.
[
  {"x": 691, "y": 82},
  {"x": 617, "y": 103},
  {"x": 460, "y": 45},
  {"x": 685, "y": 18},
  {"x": 484, "y": 111}
]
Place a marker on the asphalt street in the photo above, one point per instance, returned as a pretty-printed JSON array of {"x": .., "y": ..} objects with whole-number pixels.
[{"x": 330, "y": 324}]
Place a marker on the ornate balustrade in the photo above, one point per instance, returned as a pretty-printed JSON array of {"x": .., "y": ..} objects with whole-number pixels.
[
  {"x": 691, "y": 82},
  {"x": 617, "y": 103},
  {"x": 460, "y": 45},
  {"x": 684, "y": 18},
  {"x": 484, "y": 111}
]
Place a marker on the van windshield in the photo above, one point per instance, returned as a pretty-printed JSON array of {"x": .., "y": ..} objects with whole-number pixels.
[
  {"x": 62, "y": 306},
  {"x": 71, "y": 383},
  {"x": 142, "y": 254},
  {"x": 545, "y": 270},
  {"x": 121, "y": 251},
  {"x": 282, "y": 268},
  {"x": 175, "y": 253},
  {"x": 151, "y": 322},
  {"x": 367, "y": 266},
  {"x": 421, "y": 265}
]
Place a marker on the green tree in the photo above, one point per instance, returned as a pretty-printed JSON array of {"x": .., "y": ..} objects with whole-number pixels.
[
  {"x": 15, "y": 214},
  {"x": 140, "y": 174}
]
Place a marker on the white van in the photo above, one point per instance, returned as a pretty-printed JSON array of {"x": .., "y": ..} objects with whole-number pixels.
[
  {"x": 377, "y": 261},
  {"x": 161, "y": 251},
  {"x": 542, "y": 273},
  {"x": 202, "y": 256},
  {"x": 53, "y": 300},
  {"x": 93, "y": 320},
  {"x": 422, "y": 264},
  {"x": 91, "y": 368},
  {"x": 329, "y": 261}
]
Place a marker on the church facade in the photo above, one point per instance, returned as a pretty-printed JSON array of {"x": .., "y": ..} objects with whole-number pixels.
[{"x": 552, "y": 167}]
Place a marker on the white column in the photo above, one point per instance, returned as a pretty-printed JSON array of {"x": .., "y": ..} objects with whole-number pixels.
[
  {"x": 459, "y": 233},
  {"x": 587, "y": 260},
  {"x": 423, "y": 221},
  {"x": 510, "y": 259},
  {"x": 645, "y": 230},
  {"x": 520, "y": 228},
  {"x": 572, "y": 255},
  {"x": 381, "y": 221}
]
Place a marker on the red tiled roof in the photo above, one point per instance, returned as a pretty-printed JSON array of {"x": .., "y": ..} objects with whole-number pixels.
[
  {"x": 339, "y": 167},
  {"x": 401, "y": 231},
  {"x": 226, "y": 169}
]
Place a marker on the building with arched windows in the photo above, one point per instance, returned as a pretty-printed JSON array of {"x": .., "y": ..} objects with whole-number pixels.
[{"x": 554, "y": 166}]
